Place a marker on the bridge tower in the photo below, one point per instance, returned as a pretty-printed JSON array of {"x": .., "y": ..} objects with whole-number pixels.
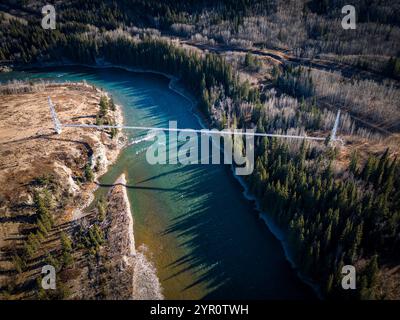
[
  {"x": 56, "y": 122},
  {"x": 333, "y": 136}
]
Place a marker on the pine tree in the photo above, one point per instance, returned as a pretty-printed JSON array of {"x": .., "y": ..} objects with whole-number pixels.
[
  {"x": 112, "y": 105},
  {"x": 371, "y": 271},
  {"x": 88, "y": 173},
  {"x": 368, "y": 168},
  {"x": 354, "y": 163},
  {"x": 103, "y": 107}
]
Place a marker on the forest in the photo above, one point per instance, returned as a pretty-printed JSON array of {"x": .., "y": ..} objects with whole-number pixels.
[
  {"x": 331, "y": 220},
  {"x": 331, "y": 217},
  {"x": 306, "y": 28}
]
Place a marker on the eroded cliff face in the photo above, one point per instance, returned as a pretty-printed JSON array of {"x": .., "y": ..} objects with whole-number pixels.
[
  {"x": 46, "y": 180},
  {"x": 133, "y": 276},
  {"x": 118, "y": 254},
  {"x": 123, "y": 273},
  {"x": 46, "y": 184}
]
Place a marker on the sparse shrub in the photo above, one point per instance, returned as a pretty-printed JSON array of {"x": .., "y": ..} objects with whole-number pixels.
[
  {"x": 19, "y": 263},
  {"x": 103, "y": 107},
  {"x": 66, "y": 247},
  {"x": 88, "y": 173},
  {"x": 66, "y": 242},
  {"x": 101, "y": 209},
  {"x": 112, "y": 105},
  {"x": 90, "y": 239},
  {"x": 51, "y": 260},
  {"x": 251, "y": 63}
]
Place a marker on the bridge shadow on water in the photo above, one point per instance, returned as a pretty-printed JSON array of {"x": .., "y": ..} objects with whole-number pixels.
[{"x": 228, "y": 248}]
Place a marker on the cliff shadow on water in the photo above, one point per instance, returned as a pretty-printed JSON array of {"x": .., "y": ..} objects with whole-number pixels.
[{"x": 205, "y": 239}]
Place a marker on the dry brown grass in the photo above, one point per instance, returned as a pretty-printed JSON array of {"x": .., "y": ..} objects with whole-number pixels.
[
  {"x": 367, "y": 147},
  {"x": 29, "y": 148}
]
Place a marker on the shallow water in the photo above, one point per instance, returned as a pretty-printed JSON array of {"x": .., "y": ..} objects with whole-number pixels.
[{"x": 204, "y": 238}]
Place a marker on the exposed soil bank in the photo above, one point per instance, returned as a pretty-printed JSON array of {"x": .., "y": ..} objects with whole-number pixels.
[
  {"x": 202, "y": 245},
  {"x": 130, "y": 274},
  {"x": 35, "y": 159}
]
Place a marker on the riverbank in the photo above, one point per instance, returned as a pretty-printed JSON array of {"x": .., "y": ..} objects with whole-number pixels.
[
  {"x": 277, "y": 232},
  {"x": 25, "y": 107},
  {"x": 129, "y": 274},
  {"x": 159, "y": 216},
  {"x": 204, "y": 123},
  {"x": 37, "y": 163},
  {"x": 173, "y": 85}
]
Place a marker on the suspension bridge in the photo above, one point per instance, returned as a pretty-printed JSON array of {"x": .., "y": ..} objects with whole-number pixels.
[{"x": 58, "y": 128}]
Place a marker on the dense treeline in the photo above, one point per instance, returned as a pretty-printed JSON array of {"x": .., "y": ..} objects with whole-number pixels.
[
  {"x": 311, "y": 28},
  {"x": 199, "y": 74},
  {"x": 84, "y": 47},
  {"x": 25, "y": 42},
  {"x": 331, "y": 220},
  {"x": 110, "y": 14},
  {"x": 368, "y": 11}
]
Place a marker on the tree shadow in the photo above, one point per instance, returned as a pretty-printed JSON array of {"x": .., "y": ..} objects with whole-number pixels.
[{"x": 228, "y": 248}]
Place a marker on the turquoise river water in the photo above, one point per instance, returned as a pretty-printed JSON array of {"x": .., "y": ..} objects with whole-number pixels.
[{"x": 204, "y": 237}]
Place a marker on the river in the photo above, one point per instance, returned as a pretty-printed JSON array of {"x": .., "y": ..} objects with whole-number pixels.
[{"x": 193, "y": 222}]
